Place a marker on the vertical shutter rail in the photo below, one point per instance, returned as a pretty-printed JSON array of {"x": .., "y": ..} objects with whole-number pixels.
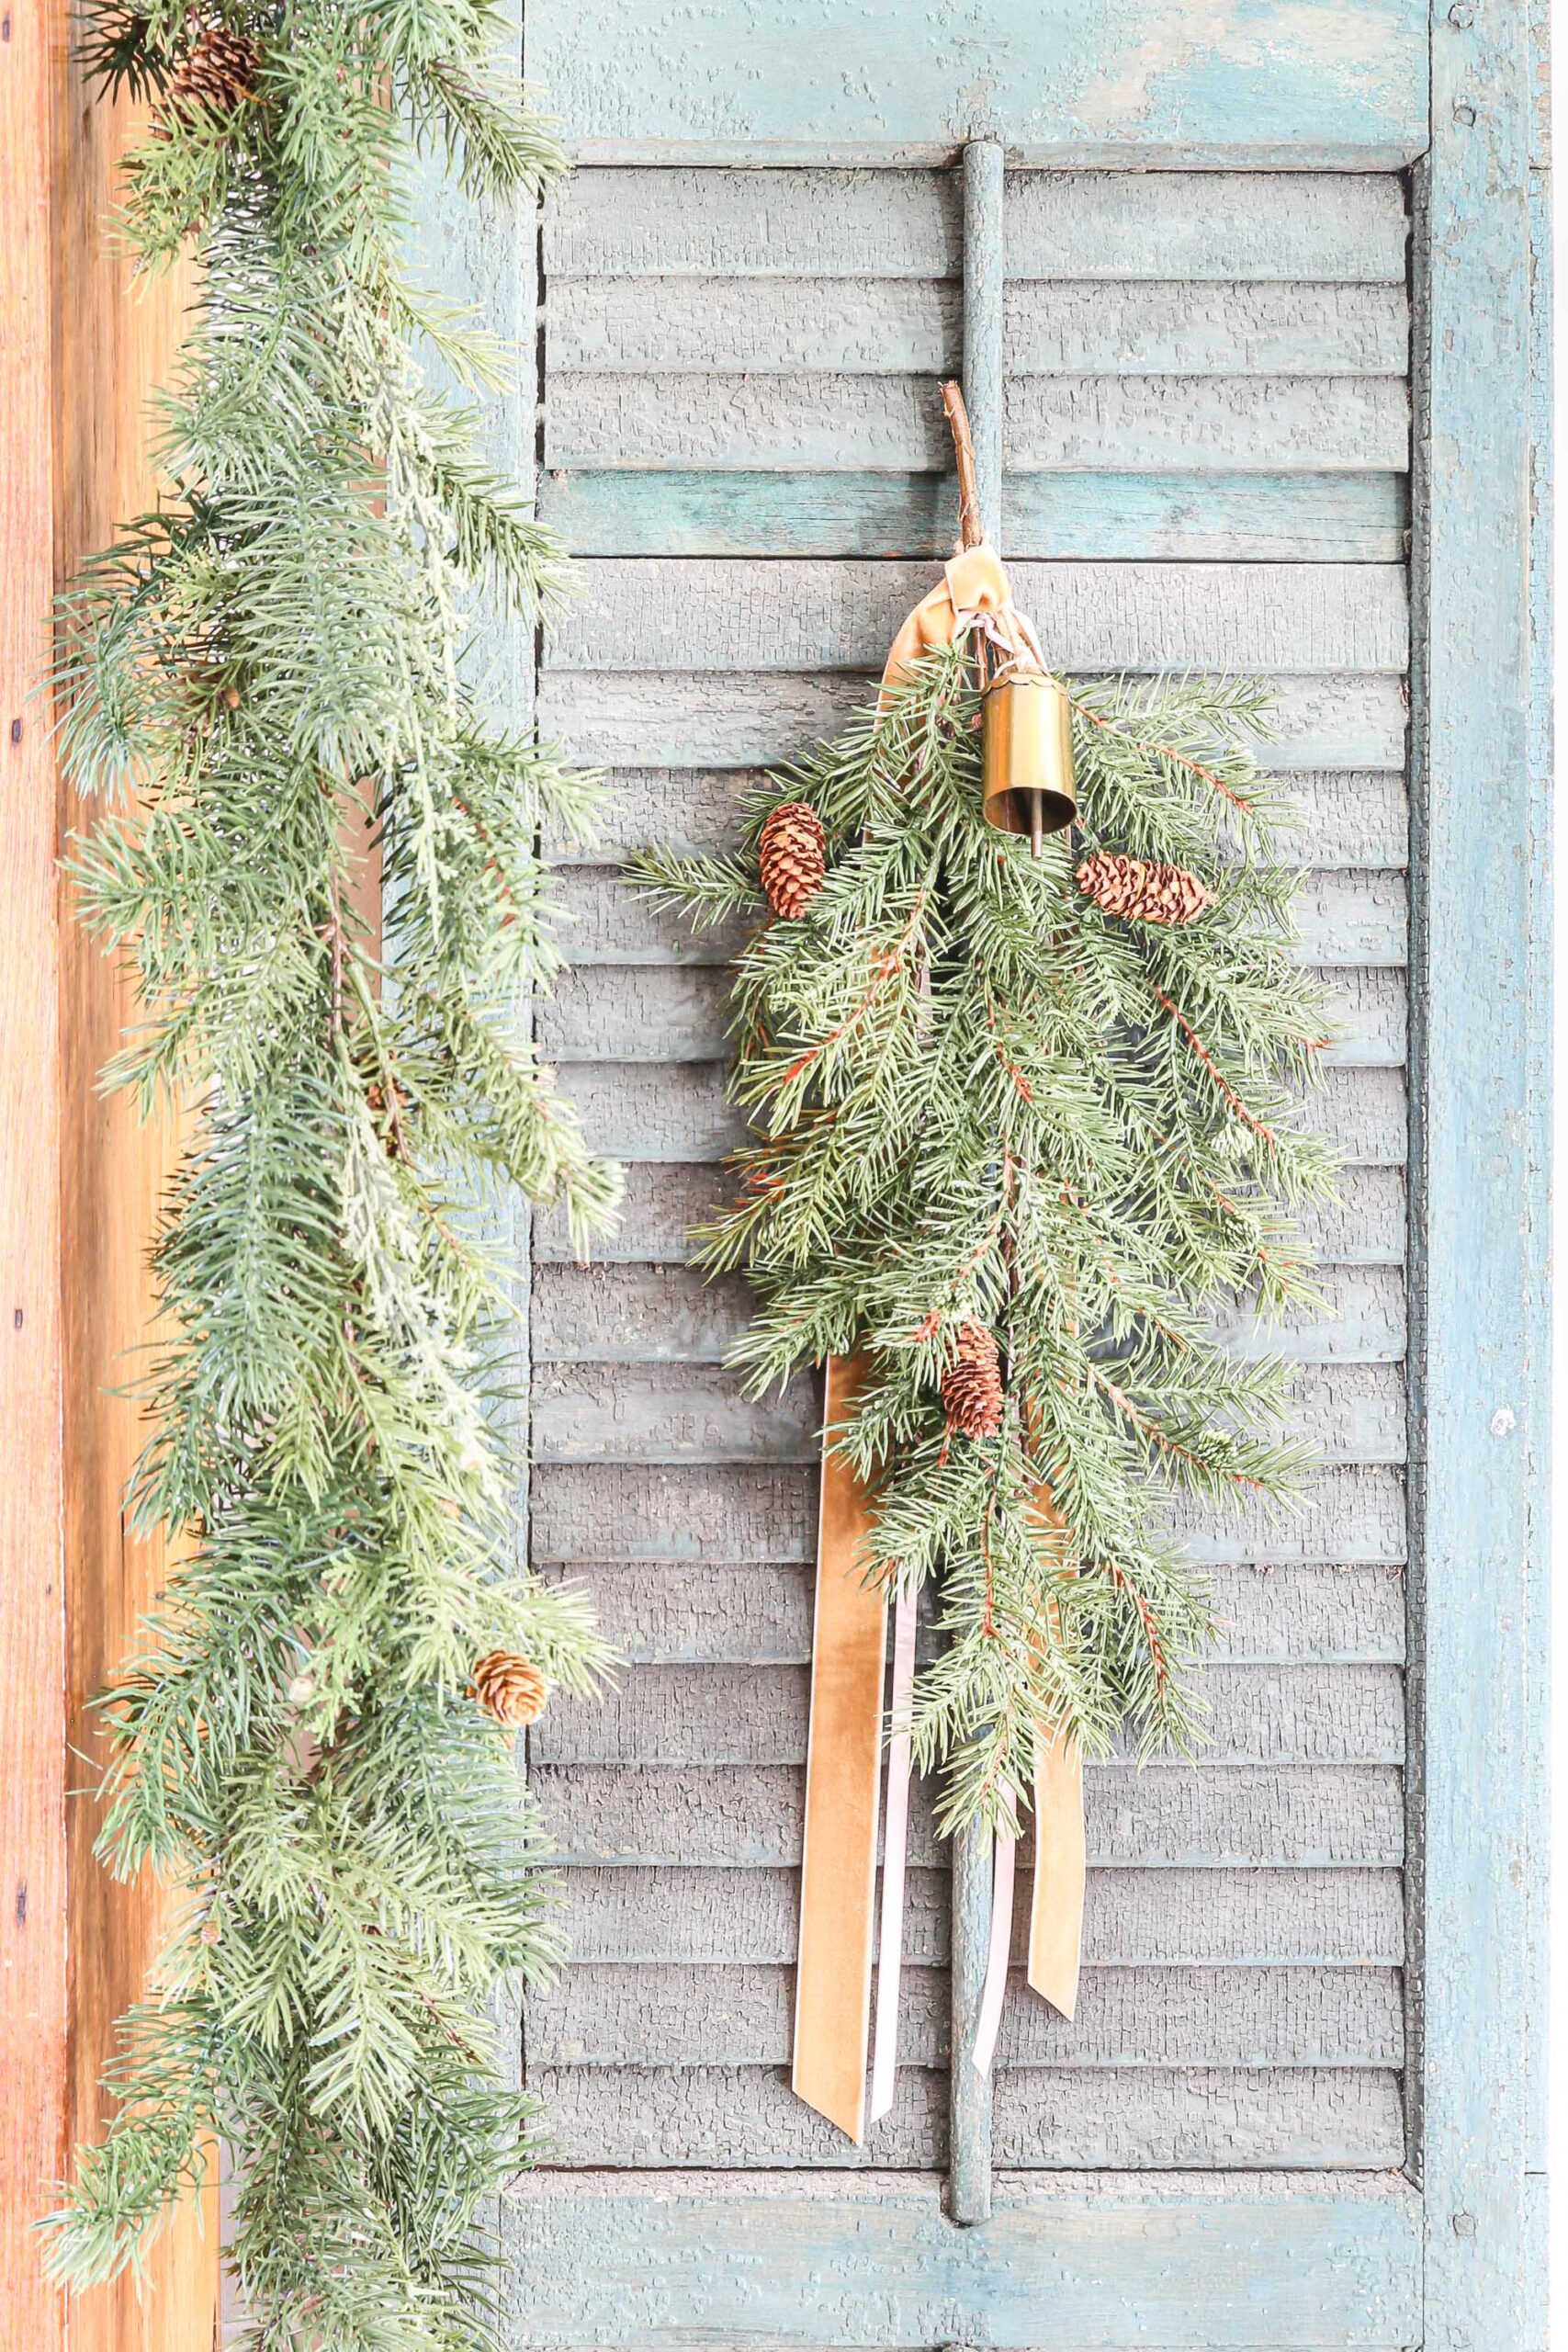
[{"x": 969, "y": 2174}]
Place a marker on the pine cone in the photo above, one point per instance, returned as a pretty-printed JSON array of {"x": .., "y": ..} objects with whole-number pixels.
[
  {"x": 510, "y": 1688},
  {"x": 217, "y": 74},
  {"x": 972, "y": 1384},
  {"x": 1140, "y": 891},
  {"x": 793, "y": 855}
]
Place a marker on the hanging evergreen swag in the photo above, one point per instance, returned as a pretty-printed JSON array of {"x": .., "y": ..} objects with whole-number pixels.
[
  {"x": 1023, "y": 1125},
  {"x": 307, "y": 1745}
]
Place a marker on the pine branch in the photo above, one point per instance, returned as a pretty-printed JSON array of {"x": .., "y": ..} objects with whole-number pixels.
[
  {"x": 977, "y": 1097},
  {"x": 273, "y": 663}
]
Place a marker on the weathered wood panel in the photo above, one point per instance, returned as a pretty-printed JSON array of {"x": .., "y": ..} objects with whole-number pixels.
[
  {"x": 664, "y": 1200},
  {"x": 746, "y": 718},
  {"x": 1158, "y": 1814},
  {"x": 871, "y": 2260},
  {"x": 1207, "y": 518},
  {"x": 672, "y": 1315},
  {"x": 676, "y": 2016},
  {"x": 635, "y": 613},
  {"x": 1080, "y": 224},
  {"x": 1133, "y": 2119},
  {"x": 1349, "y": 820},
  {"x": 1210, "y": 376},
  {"x": 1260, "y": 1918},
  {"x": 632, "y": 1511},
  {"x": 1486, "y": 1058},
  {"x": 683, "y": 1612},
  {"x": 1126, "y": 424},
  {"x": 1349, "y": 920},
  {"x": 679, "y": 1111},
  {"x": 657, "y": 1411},
  {"x": 876, "y": 326},
  {"x": 649, "y": 1013},
  {"x": 741, "y": 1715}
]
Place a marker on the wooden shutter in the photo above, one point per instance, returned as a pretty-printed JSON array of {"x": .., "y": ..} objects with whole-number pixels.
[{"x": 1294, "y": 2110}]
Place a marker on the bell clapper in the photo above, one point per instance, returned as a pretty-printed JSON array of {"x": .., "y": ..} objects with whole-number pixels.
[{"x": 1036, "y": 823}]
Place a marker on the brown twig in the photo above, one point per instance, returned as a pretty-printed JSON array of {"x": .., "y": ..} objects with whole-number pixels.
[
  {"x": 1231, "y": 1097},
  {"x": 1164, "y": 751},
  {"x": 971, "y": 528}
]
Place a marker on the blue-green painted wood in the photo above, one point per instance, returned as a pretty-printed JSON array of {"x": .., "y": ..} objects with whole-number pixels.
[
  {"x": 1222, "y": 2265},
  {"x": 1116, "y": 517},
  {"x": 969, "y": 2092},
  {"x": 1481, "y": 958},
  {"x": 1335, "y": 82}
]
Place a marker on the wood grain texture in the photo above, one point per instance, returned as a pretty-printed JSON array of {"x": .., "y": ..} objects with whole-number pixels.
[
  {"x": 673, "y": 1612},
  {"x": 1198, "y": 2264},
  {"x": 675, "y": 1314},
  {"x": 681, "y": 1112},
  {"x": 654, "y": 1014},
  {"x": 676, "y": 2016},
  {"x": 875, "y": 327},
  {"x": 81, "y": 354},
  {"x": 1103, "y": 517},
  {"x": 1308, "y": 1713},
  {"x": 633, "y": 1511},
  {"x": 671, "y": 718},
  {"x": 34, "y": 2046},
  {"x": 1125, "y": 424},
  {"x": 1260, "y": 1918},
  {"x": 1133, "y": 2119},
  {"x": 1352, "y": 819},
  {"x": 1347, "y": 229},
  {"x": 668, "y": 1815},
  {"x": 657, "y": 614},
  {"x": 686, "y": 676},
  {"x": 1346, "y": 920},
  {"x": 643, "y": 1411},
  {"x": 1483, "y": 1062},
  {"x": 664, "y": 1199}
]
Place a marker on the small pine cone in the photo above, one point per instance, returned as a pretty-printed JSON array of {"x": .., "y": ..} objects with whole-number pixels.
[
  {"x": 510, "y": 1688},
  {"x": 793, "y": 855},
  {"x": 217, "y": 74},
  {"x": 1140, "y": 891},
  {"x": 972, "y": 1384}
]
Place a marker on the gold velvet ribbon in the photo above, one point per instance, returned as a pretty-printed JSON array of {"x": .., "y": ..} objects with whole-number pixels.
[{"x": 832, "y": 2015}]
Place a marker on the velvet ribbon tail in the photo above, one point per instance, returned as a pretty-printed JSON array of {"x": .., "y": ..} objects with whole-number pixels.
[{"x": 843, "y": 1770}]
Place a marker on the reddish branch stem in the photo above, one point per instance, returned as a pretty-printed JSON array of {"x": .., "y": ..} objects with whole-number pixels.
[
  {"x": 1231, "y": 1097},
  {"x": 1165, "y": 751}
]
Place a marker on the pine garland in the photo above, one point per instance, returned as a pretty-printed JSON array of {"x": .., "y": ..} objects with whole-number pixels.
[
  {"x": 1017, "y": 1150},
  {"x": 272, "y": 664}
]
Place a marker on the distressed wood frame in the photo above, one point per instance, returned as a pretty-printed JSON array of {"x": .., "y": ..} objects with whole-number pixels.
[{"x": 1449, "y": 2253}]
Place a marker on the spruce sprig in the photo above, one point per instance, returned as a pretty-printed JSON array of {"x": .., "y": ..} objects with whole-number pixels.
[
  {"x": 978, "y": 1096},
  {"x": 260, "y": 682}
]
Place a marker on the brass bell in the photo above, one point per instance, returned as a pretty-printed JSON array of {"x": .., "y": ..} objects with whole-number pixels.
[{"x": 1027, "y": 749}]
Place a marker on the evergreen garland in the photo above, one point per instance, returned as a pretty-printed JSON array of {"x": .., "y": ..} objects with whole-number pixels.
[
  {"x": 272, "y": 666},
  {"x": 1017, "y": 1150}
]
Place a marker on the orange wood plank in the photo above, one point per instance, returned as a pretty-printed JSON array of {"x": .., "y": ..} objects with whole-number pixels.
[
  {"x": 116, "y": 340},
  {"x": 33, "y": 1997},
  {"x": 78, "y": 1184}
]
